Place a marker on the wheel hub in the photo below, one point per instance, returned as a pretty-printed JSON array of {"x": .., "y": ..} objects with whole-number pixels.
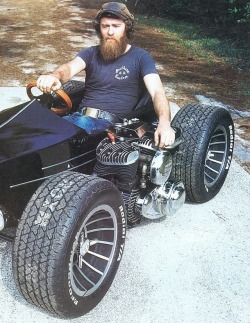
[{"x": 84, "y": 247}]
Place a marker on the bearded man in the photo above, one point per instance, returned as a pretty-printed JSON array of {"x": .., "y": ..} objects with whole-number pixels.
[{"x": 116, "y": 74}]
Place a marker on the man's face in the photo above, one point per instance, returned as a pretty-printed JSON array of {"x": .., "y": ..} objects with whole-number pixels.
[
  {"x": 113, "y": 38},
  {"x": 112, "y": 28}
]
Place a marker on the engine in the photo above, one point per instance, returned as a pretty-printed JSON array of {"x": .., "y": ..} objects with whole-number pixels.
[{"x": 141, "y": 172}]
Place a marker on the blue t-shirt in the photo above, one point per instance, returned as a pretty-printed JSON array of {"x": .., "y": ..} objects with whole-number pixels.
[{"x": 115, "y": 86}]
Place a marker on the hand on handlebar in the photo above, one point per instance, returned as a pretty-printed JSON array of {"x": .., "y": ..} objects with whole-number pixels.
[{"x": 48, "y": 83}]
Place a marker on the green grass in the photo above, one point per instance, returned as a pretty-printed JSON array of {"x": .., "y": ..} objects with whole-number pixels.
[
  {"x": 245, "y": 89},
  {"x": 204, "y": 42}
]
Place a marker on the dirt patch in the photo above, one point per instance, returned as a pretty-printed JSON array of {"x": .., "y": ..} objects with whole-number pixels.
[
  {"x": 37, "y": 36},
  {"x": 191, "y": 75},
  {"x": 244, "y": 125}
]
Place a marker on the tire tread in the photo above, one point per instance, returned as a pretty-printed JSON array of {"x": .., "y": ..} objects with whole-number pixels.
[
  {"x": 194, "y": 120},
  {"x": 34, "y": 252}
]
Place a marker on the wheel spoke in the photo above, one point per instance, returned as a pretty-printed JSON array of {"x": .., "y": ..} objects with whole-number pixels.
[
  {"x": 217, "y": 151},
  {"x": 92, "y": 267},
  {"x": 213, "y": 170},
  {"x": 216, "y": 135},
  {"x": 95, "y": 250},
  {"x": 212, "y": 178},
  {"x": 84, "y": 276},
  {"x": 105, "y": 242},
  {"x": 215, "y": 161},
  {"x": 217, "y": 143},
  {"x": 93, "y": 242},
  {"x": 98, "y": 255},
  {"x": 100, "y": 229},
  {"x": 78, "y": 282},
  {"x": 216, "y": 155},
  {"x": 97, "y": 220}
]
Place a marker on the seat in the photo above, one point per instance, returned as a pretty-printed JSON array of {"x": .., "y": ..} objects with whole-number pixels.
[{"x": 144, "y": 108}]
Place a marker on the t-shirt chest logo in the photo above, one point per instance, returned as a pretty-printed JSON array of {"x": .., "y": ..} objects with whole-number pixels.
[{"x": 121, "y": 73}]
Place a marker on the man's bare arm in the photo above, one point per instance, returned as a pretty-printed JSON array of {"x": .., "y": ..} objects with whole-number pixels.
[
  {"x": 53, "y": 81},
  {"x": 164, "y": 134}
]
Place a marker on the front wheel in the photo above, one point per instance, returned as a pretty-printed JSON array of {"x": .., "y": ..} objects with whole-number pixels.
[
  {"x": 69, "y": 244},
  {"x": 204, "y": 156}
]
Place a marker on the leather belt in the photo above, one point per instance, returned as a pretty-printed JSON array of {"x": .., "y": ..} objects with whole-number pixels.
[{"x": 99, "y": 114}]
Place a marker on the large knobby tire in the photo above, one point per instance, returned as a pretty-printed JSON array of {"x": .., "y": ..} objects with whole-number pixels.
[
  {"x": 204, "y": 156},
  {"x": 69, "y": 244}
]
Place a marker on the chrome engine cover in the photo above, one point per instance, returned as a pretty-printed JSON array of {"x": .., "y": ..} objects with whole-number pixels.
[
  {"x": 160, "y": 167},
  {"x": 163, "y": 200}
]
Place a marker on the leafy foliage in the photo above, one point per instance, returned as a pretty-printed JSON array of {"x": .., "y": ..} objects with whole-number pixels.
[
  {"x": 219, "y": 27},
  {"x": 229, "y": 17},
  {"x": 240, "y": 11}
]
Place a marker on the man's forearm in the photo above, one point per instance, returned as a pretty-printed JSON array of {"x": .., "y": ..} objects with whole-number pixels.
[
  {"x": 62, "y": 73},
  {"x": 164, "y": 134},
  {"x": 161, "y": 106}
]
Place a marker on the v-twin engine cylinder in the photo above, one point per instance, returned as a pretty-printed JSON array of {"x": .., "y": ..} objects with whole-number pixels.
[{"x": 142, "y": 175}]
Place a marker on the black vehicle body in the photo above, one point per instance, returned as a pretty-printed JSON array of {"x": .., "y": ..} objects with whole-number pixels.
[
  {"x": 66, "y": 197},
  {"x": 36, "y": 144}
]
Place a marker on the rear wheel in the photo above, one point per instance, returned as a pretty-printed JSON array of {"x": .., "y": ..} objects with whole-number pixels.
[
  {"x": 69, "y": 244},
  {"x": 203, "y": 159}
]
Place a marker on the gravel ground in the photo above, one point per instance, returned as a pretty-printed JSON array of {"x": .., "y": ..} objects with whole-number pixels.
[{"x": 191, "y": 267}]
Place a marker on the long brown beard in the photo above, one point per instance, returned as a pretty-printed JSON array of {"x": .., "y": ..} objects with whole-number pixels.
[{"x": 111, "y": 50}]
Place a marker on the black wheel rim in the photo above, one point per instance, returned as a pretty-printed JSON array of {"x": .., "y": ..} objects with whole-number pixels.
[
  {"x": 216, "y": 156},
  {"x": 93, "y": 250}
]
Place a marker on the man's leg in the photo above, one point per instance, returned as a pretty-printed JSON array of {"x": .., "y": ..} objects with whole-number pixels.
[{"x": 91, "y": 125}]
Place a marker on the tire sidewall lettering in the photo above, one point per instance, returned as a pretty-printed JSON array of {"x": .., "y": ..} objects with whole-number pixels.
[
  {"x": 227, "y": 123},
  {"x": 72, "y": 297},
  {"x": 231, "y": 146},
  {"x": 124, "y": 221}
]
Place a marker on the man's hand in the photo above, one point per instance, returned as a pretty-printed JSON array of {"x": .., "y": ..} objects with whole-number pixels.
[
  {"x": 48, "y": 83},
  {"x": 164, "y": 134}
]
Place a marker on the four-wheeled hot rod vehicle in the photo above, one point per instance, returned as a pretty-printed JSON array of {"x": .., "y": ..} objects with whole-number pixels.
[{"x": 67, "y": 197}]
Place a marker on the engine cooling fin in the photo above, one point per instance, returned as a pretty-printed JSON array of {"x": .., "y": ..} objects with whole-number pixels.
[
  {"x": 133, "y": 213},
  {"x": 119, "y": 153}
]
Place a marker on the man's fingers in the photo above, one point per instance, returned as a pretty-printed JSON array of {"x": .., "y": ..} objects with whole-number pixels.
[
  {"x": 162, "y": 142},
  {"x": 56, "y": 87},
  {"x": 164, "y": 139},
  {"x": 156, "y": 138},
  {"x": 48, "y": 83}
]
